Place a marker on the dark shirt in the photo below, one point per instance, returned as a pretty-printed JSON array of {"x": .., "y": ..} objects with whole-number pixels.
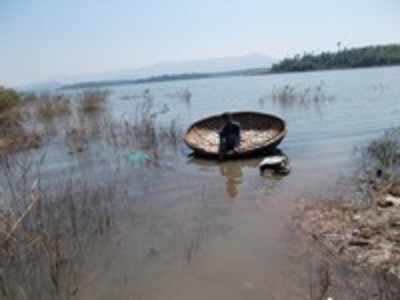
[{"x": 231, "y": 130}]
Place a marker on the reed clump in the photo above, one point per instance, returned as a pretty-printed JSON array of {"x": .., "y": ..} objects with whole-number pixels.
[
  {"x": 47, "y": 232},
  {"x": 49, "y": 106},
  {"x": 291, "y": 96},
  {"x": 92, "y": 101},
  {"x": 13, "y": 136}
]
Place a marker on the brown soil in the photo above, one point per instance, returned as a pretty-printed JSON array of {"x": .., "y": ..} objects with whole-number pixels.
[{"x": 364, "y": 237}]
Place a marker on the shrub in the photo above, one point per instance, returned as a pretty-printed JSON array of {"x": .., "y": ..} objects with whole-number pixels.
[{"x": 8, "y": 99}]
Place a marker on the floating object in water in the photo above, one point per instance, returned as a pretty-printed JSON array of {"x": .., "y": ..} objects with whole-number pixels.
[
  {"x": 260, "y": 133},
  {"x": 138, "y": 157},
  {"x": 273, "y": 161},
  {"x": 277, "y": 163},
  {"x": 283, "y": 170}
]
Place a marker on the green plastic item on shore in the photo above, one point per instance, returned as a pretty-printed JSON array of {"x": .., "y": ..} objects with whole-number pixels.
[{"x": 138, "y": 157}]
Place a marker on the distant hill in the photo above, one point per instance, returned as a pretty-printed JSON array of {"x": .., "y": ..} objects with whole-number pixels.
[
  {"x": 212, "y": 65},
  {"x": 163, "y": 78}
]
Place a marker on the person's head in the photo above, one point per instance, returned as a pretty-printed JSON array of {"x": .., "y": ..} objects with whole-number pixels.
[{"x": 227, "y": 117}]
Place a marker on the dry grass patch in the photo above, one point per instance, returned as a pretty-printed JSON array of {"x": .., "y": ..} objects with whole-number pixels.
[
  {"x": 47, "y": 232},
  {"x": 91, "y": 101},
  {"x": 361, "y": 228},
  {"x": 13, "y": 136},
  {"x": 50, "y": 106}
]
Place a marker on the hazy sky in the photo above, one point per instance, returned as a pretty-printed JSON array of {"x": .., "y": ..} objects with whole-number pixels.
[{"x": 47, "y": 39}]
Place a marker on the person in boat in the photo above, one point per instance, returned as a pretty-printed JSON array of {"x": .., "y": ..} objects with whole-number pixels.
[{"x": 229, "y": 135}]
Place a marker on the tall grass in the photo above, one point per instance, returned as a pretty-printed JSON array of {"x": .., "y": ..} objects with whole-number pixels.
[
  {"x": 51, "y": 226},
  {"x": 47, "y": 230},
  {"x": 92, "y": 101},
  {"x": 145, "y": 131},
  {"x": 48, "y": 107},
  {"x": 378, "y": 165},
  {"x": 290, "y": 96},
  {"x": 13, "y": 135}
]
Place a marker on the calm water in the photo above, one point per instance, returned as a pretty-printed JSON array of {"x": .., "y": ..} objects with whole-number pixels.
[{"x": 209, "y": 230}]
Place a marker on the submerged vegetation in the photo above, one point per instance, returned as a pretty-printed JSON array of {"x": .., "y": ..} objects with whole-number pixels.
[
  {"x": 344, "y": 58},
  {"x": 49, "y": 106},
  {"x": 91, "y": 101},
  {"x": 48, "y": 231},
  {"x": 52, "y": 227},
  {"x": 291, "y": 96}
]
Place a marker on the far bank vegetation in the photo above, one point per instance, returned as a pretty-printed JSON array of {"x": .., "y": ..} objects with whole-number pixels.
[{"x": 343, "y": 58}]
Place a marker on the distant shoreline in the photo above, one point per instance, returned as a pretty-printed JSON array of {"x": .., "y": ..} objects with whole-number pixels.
[
  {"x": 346, "y": 59},
  {"x": 165, "y": 78},
  {"x": 199, "y": 76}
]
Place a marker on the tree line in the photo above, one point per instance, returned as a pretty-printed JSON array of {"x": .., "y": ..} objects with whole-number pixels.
[{"x": 343, "y": 58}]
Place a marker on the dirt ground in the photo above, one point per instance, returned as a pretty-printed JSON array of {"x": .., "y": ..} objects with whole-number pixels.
[{"x": 368, "y": 238}]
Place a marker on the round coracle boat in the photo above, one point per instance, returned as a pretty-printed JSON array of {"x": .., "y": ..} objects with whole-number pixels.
[{"x": 260, "y": 133}]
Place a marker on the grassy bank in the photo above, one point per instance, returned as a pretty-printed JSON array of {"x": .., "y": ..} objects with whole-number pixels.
[{"x": 360, "y": 226}]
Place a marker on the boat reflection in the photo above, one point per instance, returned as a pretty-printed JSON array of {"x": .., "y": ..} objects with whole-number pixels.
[{"x": 231, "y": 170}]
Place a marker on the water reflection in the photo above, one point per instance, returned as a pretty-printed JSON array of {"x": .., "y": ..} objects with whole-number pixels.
[{"x": 231, "y": 170}]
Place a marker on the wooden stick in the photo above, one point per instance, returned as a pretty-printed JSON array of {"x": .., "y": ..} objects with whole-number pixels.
[{"x": 35, "y": 199}]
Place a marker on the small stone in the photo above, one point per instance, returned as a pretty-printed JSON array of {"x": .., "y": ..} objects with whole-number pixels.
[
  {"x": 366, "y": 233},
  {"x": 389, "y": 200},
  {"x": 395, "y": 190},
  {"x": 383, "y": 203}
]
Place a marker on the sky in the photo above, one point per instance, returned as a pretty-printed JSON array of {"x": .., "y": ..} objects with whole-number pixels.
[{"x": 44, "y": 40}]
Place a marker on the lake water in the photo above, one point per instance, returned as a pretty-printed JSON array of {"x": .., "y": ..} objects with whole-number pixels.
[{"x": 210, "y": 230}]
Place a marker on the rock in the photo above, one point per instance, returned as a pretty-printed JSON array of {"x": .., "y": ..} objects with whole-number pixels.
[
  {"x": 366, "y": 232},
  {"x": 384, "y": 204},
  {"x": 389, "y": 201},
  {"x": 395, "y": 190}
]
